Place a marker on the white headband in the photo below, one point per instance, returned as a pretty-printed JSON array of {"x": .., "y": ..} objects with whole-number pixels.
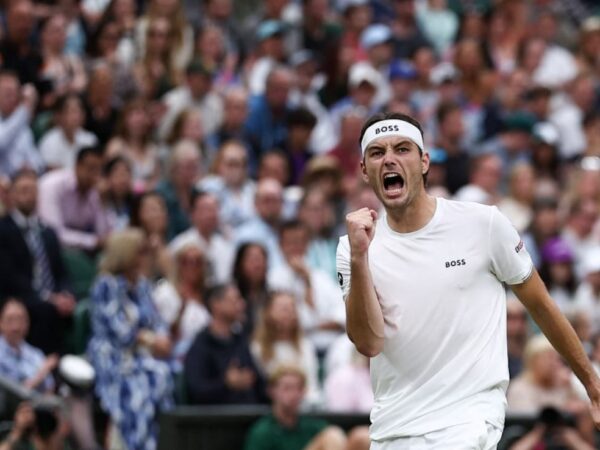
[{"x": 391, "y": 127}]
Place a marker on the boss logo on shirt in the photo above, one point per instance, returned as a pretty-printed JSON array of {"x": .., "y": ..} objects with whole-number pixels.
[{"x": 456, "y": 262}]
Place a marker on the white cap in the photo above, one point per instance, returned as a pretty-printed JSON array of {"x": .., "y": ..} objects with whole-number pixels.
[
  {"x": 363, "y": 72},
  {"x": 374, "y": 35},
  {"x": 76, "y": 371}
]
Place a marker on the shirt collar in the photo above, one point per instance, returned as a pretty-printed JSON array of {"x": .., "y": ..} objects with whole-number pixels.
[
  {"x": 10, "y": 349},
  {"x": 24, "y": 222}
]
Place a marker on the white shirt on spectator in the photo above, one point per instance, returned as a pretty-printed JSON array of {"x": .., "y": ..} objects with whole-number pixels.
[
  {"x": 326, "y": 296},
  {"x": 589, "y": 303},
  {"x": 58, "y": 152},
  {"x": 219, "y": 252}
]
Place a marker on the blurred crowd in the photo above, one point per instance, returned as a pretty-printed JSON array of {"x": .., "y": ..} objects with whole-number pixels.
[{"x": 174, "y": 177}]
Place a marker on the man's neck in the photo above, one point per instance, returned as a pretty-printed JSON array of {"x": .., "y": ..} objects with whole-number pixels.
[
  {"x": 220, "y": 328},
  {"x": 285, "y": 418},
  {"x": 413, "y": 216}
]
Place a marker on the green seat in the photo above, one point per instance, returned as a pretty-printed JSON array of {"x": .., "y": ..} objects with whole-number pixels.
[
  {"x": 180, "y": 394},
  {"x": 81, "y": 269},
  {"x": 79, "y": 334}
]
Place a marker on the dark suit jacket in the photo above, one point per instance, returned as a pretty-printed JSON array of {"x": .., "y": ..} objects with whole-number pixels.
[{"x": 16, "y": 262}]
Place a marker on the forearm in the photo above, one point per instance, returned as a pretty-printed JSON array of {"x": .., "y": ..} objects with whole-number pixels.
[
  {"x": 364, "y": 318},
  {"x": 561, "y": 334}
]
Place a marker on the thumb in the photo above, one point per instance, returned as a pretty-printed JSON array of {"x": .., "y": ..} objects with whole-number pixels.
[{"x": 374, "y": 214}]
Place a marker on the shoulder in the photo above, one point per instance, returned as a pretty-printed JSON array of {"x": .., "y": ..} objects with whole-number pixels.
[
  {"x": 261, "y": 432},
  {"x": 465, "y": 211}
]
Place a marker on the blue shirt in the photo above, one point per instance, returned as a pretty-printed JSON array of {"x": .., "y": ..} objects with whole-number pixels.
[{"x": 23, "y": 363}]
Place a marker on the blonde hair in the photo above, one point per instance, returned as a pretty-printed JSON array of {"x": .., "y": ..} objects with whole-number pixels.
[
  {"x": 121, "y": 250},
  {"x": 535, "y": 346},
  {"x": 286, "y": 369},
  {"x": 264, "y": 334}
]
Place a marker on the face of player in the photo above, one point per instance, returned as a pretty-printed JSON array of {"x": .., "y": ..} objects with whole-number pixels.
[{"x": 394, "y": 167}]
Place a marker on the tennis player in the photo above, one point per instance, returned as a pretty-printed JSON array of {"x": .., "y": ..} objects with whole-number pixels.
[{"x": 425, "y": 300}]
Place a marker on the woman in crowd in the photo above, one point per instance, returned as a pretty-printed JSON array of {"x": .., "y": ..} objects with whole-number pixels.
[
  {"x": 278, "y": 340},
  {"x": 179, "y": 299},
  {"x": 133, "y": 140},
  {"x": 250, "y": 276},
  {"x": 149, "y": 213},
  {"x": 60, "y": 73},
  {"x": 129, "y": 341},
  {"x": 117, "y": 192}
]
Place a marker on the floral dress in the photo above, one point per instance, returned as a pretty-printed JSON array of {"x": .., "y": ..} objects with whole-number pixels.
[{"x": 132, "y": 385}]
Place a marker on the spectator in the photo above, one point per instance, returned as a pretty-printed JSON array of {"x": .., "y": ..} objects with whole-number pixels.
[
  {"x": 183, "y": 172},
  {"x": 17, "y": 107},
  {"x": 376, "y": 41},
  {"x": 544, "y": 382},
  {"x": 39, "y": 427},
  {"x": 196, "y": 93},
  {"x": 320, "y": 307},
  {"x": 267, "y": 114},
  {"x": 149, "y": 213},
  {"x": 59, "y": 146},
  {"x": 181, "y": 33},
  {"x": 485, "y": 173},
  {"x": 32, "y": 267},
  {"x": 232, "y": 185},
  {"x": 517, "y": 205},
  {"x": 205, "y": 231},
  {"x": 317, "y": 213},
  {"x": 250, "y": 277},
  {"x": 300, "y": 124},
  {"x": 439, "y": 24},
  {"x": 268, "y": 201},
  {"x": 587, "y": 296},
  {"x": 18, "y": 50},
  {"x": 61, "y": 73},
  {"x": 219, "y": 368},
  {"x": 70, "y": 202},
  {"x": 545, "y": 225},
  {"x": 128, "y": 342},
  {"x": 286, "y": 429},
  {"x": 101, "y": 115},
  {"x": 20, "y": 362},
  {"x": 270, "y": 51},
  {"x": 117, "y": 191},
  {"x": 133, "y": 140},
  {"x": 517, "y": 330},
  {"x": 279, "y": 340},
  {"x": 408, "y": 35},
  {"x": 235, "y": 113},
  {"x": 578, "y": 230},
  {"x": 180, "y": 299},
  {"x": 187, "y": 127},
  {"x": 450, "y": 138},
  {"x": 348, "y": 387},
  {"x": 558, "y": 273}
]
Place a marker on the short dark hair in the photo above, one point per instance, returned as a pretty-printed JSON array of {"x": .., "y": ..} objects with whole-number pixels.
[
  {"x": 93, "y": 150},
  {"x": 63, "y": 101},
  {"x": 215, "y": 293},
  {"x": 113, "y": 162},
  {"x": 198, "y": 194},
  {"x": 392, "y": 116},
  {"x": 292, "y": 224},
  {"x": 301, "y": 117},
  {"x": 445, "y": 109}
]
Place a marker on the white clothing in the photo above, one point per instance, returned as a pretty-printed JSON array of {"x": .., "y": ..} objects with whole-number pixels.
[
  {"x": 168, "y": 302},
  {"x": 284, "y": 353},
  {"x": 325, "y": 295},
  {"x": 58, "y": 152},
  {"x": 444, "y": 361},
  {"x": 210, "y": 108},
  {"x": 557, "y": 67},
  {"x": 472, "y": 436},
  {"x": 473, "y": 193},
  {"x": 568, "y": 120},
  {"x": 219, "y": 252}
]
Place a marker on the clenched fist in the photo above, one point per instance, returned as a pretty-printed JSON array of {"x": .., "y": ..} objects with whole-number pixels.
[{"x": 361, "y": 229}]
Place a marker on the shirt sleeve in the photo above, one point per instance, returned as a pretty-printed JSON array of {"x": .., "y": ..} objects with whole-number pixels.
[
  {"x": 510, "y": 261},
  {"x": 342, "y": 261}
]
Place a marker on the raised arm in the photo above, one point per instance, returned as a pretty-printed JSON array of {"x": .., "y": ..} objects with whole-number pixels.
[
  {"x": 364, "y": 318},
  {"x": 534, "y": 295}
]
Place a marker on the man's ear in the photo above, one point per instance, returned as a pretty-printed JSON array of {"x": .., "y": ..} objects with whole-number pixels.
[
  {"x": 363, "y": 171},
  {"x": 425, "y": 160}
]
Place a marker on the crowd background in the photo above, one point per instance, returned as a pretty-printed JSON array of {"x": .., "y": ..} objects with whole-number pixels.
[{"x": 174, "y": 177}]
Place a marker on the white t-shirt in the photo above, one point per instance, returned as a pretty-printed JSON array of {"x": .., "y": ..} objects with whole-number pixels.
[
  {"x": 444, "y": 360},
  {"x": 58, "y": 152}
]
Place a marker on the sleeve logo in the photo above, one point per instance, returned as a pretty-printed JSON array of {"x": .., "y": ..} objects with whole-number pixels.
[
  {"x": 340, "y": 279},
  {"x": 519, "y": 247}
]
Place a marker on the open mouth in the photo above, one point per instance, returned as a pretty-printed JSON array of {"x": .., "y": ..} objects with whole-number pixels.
[{"x": 393, "y": 182}]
